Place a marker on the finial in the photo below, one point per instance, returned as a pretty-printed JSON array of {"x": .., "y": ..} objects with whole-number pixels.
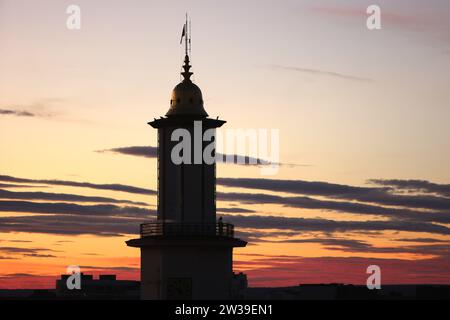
[{"x": 186, "y": 73}]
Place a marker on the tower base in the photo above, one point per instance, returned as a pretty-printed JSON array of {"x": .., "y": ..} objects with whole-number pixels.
[{"x": 199, "y": 268}]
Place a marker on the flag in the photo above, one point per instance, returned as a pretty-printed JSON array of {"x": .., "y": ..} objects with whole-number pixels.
[{"x": 183, "y": 33}]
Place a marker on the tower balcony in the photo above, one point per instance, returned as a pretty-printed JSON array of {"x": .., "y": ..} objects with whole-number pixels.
[{"x": 173, "y": 229}]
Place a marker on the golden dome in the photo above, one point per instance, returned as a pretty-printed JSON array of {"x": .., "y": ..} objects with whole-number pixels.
[{"x": 187, "y": 97}]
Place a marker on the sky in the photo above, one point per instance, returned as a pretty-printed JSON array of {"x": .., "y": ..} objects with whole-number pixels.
[{"x": 362, "y": 116}]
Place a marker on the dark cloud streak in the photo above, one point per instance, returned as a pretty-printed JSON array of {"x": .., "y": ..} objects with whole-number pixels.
[
  {"x": 17, "y": 113},
  {"x": 74, "y": 209},
  {"x": 324, "y": 225},
  {"x": 380, "y": 196},
  {"x": 322, "y": 73},
  {"x": 414, "y": 185},
  {"x": 152, "y": 152},
  {"x": 4, "y": 194},
  {"x": 338, "y": 206},
  {"x": 112, "y": 187}
]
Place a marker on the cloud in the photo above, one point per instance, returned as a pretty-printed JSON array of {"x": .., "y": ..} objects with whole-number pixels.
[
  {"x": 234, "y": 210},
  {"x": 316, "y": 188},
  {"x": 113, "y": 187},
  {"x": 325, "y": 225},
  {"x": 424, "y": 240},
  {"x": 18, "y": 274},
  {"x": 278, "y": 270},
  {"x": 38, "y": 255},
  {"x": 319, "y": 72},
  {"x": 21, "y": 280},
  {"x": 414, "y": 185},
  {"x": 103, "y": 226},
  {"x": 382, "y": 196},
  {"x": 20, "y": 250},
  {"x": 152, "y": 152},
  {"x": 17, "y": 113},
  {"x": 11, "y": 185},
  {"x": 16, "y": 241},
  {"x": 412, "y": 201},
  {"x": 28, "y": 252},
  {"x": 119, "y": 268},
  {"x": 363, "y": 194},
  {"x": 114, "y": 217},
  {"x": 140, "y": 151},
  {"x": 37, "y": 109},
  {"x": 401, "y": 219},
  {"x": 293, "y": 186},
  {"x": 73, "y": 219},
  {"x": 119, "y": 225},
  {"x": 339, "y": 206},
  {"x": 4, "y": 194},
  {"x": 74, "y": 209},
  {"x": 351, "y": 245}
]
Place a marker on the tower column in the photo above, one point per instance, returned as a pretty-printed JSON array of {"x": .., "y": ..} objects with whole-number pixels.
[{"x": 185, "y": 252}]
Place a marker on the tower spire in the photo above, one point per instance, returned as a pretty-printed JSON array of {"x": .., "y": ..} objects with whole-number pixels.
[{"x": 187, "y": 41}]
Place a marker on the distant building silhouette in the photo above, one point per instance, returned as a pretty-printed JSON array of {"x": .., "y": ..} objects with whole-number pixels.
[
  {"x": 108, "y": 288},
  {"x": 239, "y": 286},
  {"x": 186, "y": 253},
  {"x": 337, "y": 291},
  {"x": 105, "y": 287}
]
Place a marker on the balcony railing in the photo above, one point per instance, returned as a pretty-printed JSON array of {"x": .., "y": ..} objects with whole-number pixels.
[{"x": 186, "y": 229}]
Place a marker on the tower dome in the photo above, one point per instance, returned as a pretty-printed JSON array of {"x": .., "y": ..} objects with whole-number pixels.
[{"x": 187, "y": 99}]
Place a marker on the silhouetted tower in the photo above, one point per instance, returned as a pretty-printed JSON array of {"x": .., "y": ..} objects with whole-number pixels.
[{"x": 186, "y": 253}]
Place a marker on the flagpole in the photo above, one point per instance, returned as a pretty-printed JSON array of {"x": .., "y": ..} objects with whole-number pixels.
[
  {"x": 190, "y": 34},
  {"x": 186, "y": 36}
]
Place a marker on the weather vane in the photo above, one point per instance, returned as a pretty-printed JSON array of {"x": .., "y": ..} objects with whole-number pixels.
[{"x": 186, "y": 34}]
